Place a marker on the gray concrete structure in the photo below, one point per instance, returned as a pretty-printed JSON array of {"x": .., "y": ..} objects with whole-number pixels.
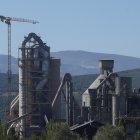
[
  {"x": 110, "y": 98},
  {"x": 39, "y": 79}
]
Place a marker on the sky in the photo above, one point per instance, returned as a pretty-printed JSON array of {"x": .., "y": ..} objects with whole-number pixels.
[{"x": 104, "y": 26}]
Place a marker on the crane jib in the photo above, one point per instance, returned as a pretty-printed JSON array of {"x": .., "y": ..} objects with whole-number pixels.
[{"x": 9, "y": 19}]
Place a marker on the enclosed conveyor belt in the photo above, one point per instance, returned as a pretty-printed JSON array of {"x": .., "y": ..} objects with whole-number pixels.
[{"x": 68, "y": 96}]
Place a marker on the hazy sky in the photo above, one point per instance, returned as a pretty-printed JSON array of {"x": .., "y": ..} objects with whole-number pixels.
[{"x": 106, "y": 26}]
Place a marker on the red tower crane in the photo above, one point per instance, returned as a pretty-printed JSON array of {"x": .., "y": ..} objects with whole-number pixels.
[{"x": 8, "y": 20}]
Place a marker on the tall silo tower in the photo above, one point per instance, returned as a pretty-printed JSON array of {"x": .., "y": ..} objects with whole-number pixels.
[{"x": 39, "y": 79}]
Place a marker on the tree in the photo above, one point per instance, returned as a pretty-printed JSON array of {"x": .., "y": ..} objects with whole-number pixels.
[
  {"x": 110, "y": 132},
  {"x": 3, "y": 135},
  {"x": 137, "y": 136},
  {"x": 59, "y": 131},
  {"x": 33, "y": 137},
  {"x": 122, "y": 123}
]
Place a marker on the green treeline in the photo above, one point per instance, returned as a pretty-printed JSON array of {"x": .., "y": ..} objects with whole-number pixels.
[
  {"x": 61, "y": 131},
  {"x": 80, "y": 83}
]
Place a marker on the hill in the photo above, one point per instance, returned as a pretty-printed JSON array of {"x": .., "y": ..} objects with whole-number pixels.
[
  {"x": 80, "y": 62},
  {"x": 3, "y": 82},
  {"x": 135, "y": 74},
  {"x": 80, "y": 83},
  {"x": 4, "y": 64}
]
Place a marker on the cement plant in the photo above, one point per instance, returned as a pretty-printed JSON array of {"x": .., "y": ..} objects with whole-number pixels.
[{"x": 45, "y": 96}]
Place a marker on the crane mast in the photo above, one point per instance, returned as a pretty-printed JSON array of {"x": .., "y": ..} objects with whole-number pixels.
[
  {"x": 8, "y": 20},
  {"x": 9, "y": 63}
]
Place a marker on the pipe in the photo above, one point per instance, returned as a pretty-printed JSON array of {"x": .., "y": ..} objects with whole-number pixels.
[
  {"x": 115, "y": 105},
  {"x": 14, "y": 100},
  {"x": 14, "y": 104},
  {"x": 68, "y": 97},
  {"x": 22, "y": 90}
]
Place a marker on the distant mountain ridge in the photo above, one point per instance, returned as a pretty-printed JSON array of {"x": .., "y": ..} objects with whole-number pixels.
[
  {"x": 80, "y": 62},
  {"x": 4, "y": 64}
]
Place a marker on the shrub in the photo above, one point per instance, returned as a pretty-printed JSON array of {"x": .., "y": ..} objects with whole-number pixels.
[{"x": 110, "y": 132}]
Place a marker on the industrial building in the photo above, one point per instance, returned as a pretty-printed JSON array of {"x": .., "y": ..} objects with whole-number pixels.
[
  {"x": 39, "y": 79},
  {"x": 43, "y": 96},
  {"x": 110, "y": 98}
]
